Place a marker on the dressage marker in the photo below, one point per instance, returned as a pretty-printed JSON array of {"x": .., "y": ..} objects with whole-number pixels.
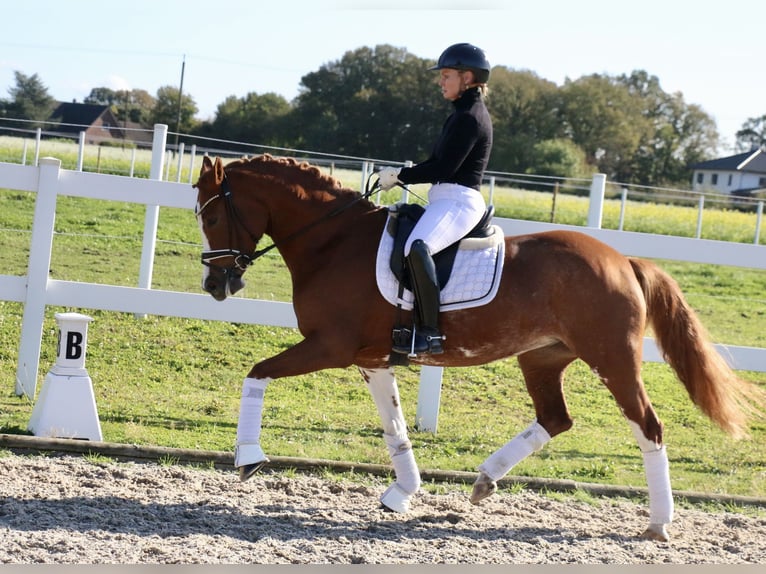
[
  {"x": 562, "y": 296},
  {"x": 66, "y": 407}
]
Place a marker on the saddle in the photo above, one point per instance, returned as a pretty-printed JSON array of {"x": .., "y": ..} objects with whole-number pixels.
[{"x": 400, "y": 225}]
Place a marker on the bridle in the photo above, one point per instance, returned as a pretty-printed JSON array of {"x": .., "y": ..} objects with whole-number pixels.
[{"x": 242, "y": 260}]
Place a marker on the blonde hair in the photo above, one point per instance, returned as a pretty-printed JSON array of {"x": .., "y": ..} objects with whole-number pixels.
[{"x": 483, "y": 88}]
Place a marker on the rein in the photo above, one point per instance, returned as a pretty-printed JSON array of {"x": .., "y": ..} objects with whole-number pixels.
[{"x": 243, "y": 260}]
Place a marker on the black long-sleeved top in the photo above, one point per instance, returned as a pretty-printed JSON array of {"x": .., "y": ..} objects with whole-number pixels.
[{"x": 462, "y": 151}]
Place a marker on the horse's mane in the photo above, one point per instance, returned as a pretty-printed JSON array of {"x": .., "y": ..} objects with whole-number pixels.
[{"x": 291, "y": 171}]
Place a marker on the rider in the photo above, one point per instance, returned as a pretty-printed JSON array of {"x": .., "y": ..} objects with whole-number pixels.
[{"x": 455, "y": 170}]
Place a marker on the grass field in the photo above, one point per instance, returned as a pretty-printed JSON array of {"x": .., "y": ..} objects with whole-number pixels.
[{"x": 174, "y": 382}]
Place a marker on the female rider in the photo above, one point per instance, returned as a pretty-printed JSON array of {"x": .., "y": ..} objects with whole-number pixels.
[{"x": 455, "y": 169}]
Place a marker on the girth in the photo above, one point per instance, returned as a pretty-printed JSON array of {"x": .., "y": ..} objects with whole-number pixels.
[{"x": 401, "y": 224}]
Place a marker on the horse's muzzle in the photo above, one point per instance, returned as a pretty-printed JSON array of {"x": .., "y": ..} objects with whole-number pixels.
[{"x": 221, "y": 285}]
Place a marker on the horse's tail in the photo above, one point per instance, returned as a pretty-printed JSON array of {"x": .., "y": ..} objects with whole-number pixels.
[{"x": 685, "y": 344}]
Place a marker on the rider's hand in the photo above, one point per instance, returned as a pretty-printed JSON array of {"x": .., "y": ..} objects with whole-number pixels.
[{"x": 388, "y": 177}]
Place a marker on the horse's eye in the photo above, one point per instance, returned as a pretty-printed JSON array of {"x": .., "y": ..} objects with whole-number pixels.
[{"x": 211, "y": 221}]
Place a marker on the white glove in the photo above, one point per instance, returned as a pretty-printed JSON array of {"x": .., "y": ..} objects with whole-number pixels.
[{"x": 389, "y": 177}]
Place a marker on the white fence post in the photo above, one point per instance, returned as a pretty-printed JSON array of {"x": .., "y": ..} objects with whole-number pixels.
[
  {"x": 405, "y": 191},
  {"x": 623, "y": 202},
  {"x": 192, "y": 156},
  {"x": 81, "y": 151},
  {"x": 367, "y": 168},
  {"x": 596, "y": 207},
  {"x": 758, "y": 218},
  {"x": 132, "y": 162},
  {"x": 152, "y": 216},
  {"x": 180, "y": 161},
  {"x": 37, "y": 277},
  {"x": 429, "y": 398},
  {"x": 700, "y": 211},
  {"x": 38, "y": 139}
]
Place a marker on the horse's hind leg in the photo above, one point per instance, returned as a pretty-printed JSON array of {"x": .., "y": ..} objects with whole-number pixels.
[
  {"x": 385, "y": 393},
  {"x": 622, "y": 376},
  {"x": 647, "y": 430},
  {"x": 544, "y": 375}
]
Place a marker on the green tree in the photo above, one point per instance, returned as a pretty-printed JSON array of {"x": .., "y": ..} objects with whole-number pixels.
[
  {"x": 166, "y": 110},
  {"x": 752, "y": 134},
  {"x": 138, "y": 105},
  {"x": 559, "y": 158},
  {"x": 30, "y": 99},
  {"x": 680, "y": 134},
  {"x": 131, "y": 105},
  {"x": 101, "y": 96},
  {"x": 259, "y": 119},
  {"x": 523, "y": 110},
  {"x": 381, "y": 102},
  {"x": 606, "y": 120}
]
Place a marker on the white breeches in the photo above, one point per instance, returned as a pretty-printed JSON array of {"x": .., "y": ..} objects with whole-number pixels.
[{"x": 452, "y": 211}]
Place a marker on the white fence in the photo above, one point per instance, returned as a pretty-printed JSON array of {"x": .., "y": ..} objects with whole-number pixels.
[{"x": 37, "y": 290}]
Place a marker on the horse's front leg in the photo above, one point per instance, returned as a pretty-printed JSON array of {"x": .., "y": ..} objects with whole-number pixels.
[
  {"x": 248, "y": 454},
  {"x": 308, "y": 356},
  {"x": 385, "y": 393}
]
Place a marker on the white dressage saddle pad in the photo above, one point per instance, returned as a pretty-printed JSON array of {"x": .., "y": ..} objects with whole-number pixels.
[{"x": 475, "y": 275}]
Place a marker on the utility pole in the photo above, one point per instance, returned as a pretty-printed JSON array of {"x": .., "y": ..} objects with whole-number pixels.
[{"x": 180, "y": 97}]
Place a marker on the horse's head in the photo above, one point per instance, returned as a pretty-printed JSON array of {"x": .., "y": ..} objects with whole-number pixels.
[{"x": 229, "y": 245}]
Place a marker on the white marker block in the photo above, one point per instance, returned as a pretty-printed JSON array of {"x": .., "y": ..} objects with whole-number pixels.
[{"x": 66, "y": 406}]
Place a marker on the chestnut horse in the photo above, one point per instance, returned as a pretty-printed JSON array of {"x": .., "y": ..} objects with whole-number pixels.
[{"x": 562, "y": 296}]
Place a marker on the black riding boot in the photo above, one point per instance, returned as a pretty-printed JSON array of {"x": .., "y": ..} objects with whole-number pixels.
[{"x": 425, "y": 285}]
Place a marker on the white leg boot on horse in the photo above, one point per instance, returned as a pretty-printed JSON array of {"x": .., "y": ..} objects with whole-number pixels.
[
  {"x": 385, "y": 393},
  {"x": 530, "y": 440},
  {"x": 657, "y": 471},
  {"x": 248, "y": 455}
]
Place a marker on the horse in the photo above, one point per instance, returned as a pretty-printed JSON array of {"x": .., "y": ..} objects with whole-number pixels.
[{"x": 563, "y": 295}]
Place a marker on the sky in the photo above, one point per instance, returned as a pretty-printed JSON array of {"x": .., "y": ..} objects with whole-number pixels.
[{"x": 708, "y": 51}]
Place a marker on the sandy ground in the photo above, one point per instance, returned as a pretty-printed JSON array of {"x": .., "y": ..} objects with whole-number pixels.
[{"x": 65, "y": 509}]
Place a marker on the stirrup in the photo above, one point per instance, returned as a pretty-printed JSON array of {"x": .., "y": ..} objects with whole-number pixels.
[
  {"x": 418, "y": 343},
  {"x": 434, "y": 343}
]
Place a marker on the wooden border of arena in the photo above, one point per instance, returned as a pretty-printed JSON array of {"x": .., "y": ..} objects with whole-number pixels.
[{"x": 225, "y": 460}]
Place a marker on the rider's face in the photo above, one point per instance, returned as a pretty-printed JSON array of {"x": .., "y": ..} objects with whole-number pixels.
[{"x": 452, "y": 83}]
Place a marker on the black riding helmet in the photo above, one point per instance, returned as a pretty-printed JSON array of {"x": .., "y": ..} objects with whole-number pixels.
[{"x": 465, "y": 56}]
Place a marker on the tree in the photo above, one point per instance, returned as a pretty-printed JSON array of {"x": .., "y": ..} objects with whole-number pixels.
[
  {"x": 380, "y": 102},
  {"x": 131, "y": 105},
  {"x": 753, "y": 134},
  {"x": 680, "y": 135},
  {"x": 260, "y": 119},
  {"x": 523, "y": 110},
  {"x": 166, "y": 110},
  {"x": 606, "y": 120},
  {"x": 559, "y": 158},
  {"x": 29, "y": 99}
]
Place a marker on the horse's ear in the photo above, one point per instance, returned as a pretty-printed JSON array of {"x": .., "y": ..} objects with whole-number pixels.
[
  {"x": 207, "y": 165},
  {"x": 219, "y": 173}
]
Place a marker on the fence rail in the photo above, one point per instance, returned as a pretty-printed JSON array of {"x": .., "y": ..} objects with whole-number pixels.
[
  {"x": 179, "y": 162},
  {"x": 37, "y": 290}
]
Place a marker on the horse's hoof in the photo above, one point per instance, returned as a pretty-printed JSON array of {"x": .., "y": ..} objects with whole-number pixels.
[
  {"x": 395, "y": 499},
  {"x": 656, "y": 532},
  {"x": 482, "y": 488},
  {"x": 248, "y": 470}
]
